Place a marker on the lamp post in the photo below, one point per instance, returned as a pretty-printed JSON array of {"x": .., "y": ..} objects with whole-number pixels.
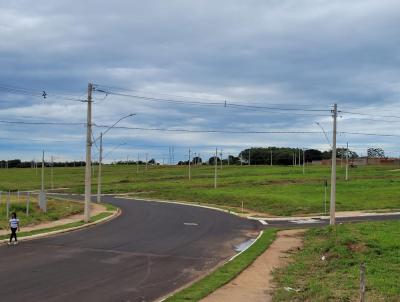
[{"x": 101, "y": 154}]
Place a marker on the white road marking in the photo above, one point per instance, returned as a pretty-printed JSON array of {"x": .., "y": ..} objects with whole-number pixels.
[
  {"x": 190, "y": 223},
  {"x": 263, "y": 222},
  {"x": 304, "y": 221}
]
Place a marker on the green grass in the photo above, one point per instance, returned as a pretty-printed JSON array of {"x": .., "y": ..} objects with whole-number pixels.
[
  {"x": 275, "y": 190},
  {"x": 61, "y": 227},
  {"x": 56, "y": 209},
  {"x": 226, "y": 273},
  {"x": 377, "y": 244}
]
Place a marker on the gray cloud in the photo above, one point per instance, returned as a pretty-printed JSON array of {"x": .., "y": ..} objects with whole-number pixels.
[{"x": 302, "y": 52}]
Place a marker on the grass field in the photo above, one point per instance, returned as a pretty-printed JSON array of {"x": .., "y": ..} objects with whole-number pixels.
[
  {"x": 56, "y": 209},
  {"x": 275, "y": 190},
  {"x": 377, "y": 244}
]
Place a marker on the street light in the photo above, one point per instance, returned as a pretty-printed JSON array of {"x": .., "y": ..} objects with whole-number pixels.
[{"x": 101, "y": 154}]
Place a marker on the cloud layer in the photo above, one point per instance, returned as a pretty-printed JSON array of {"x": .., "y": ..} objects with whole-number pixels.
[{"x": 301, "y": 54}]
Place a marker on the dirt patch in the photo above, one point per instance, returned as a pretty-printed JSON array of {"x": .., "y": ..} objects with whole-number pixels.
[{"x": 255, "y": 283}]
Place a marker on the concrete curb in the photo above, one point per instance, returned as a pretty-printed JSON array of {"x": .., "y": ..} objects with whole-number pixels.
[
  {"x": 51, "y": 233},
  {"x": 215, "y": 269},
  {"x": 321, "y": 217},
  {"x": 182, "y": 203}
]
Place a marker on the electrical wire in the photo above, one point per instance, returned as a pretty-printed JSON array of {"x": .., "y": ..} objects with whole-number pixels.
[
  {"x": 219, "y": 104},
  {"x": 191, "y": 97},
  {"x": 35, "y": 93},
  {"x": 42, "y": 123}
]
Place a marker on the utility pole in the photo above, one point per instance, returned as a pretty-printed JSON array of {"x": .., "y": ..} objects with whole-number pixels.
[
  {"x": 221, "y": 158},
  {"x": 43, "y": 171},
  {"x": 333, "y": 174},
  {"x": 304, "y": 162},
  {"x": 271, "y": 157},
  {"x": 88, "y": 170},
  {"x": 99, "y": 172},
  {"x": 42, "y": 195},
  {"x": 189, "y": 165},
  {"x": 146, "y": 160},
  {"x": 295, "y": 157},
  {"x": 137, "y": 164},
  {"x": 215, "y": 168},
  {"x": 52, "y": 182},
  {"x": 249, "y": 157},
  {"x": 299, "y": 157},
  {"x": 347, "y": 161}
]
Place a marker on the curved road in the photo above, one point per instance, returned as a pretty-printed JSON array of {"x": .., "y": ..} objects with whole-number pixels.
[{"x": 147, "y": 252}]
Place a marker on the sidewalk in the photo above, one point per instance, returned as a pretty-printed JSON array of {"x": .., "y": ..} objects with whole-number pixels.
[
  {"x": 255, "y": 283},
  {"x": 95, "y": 209},
  {"x": 318, "y": 216}
]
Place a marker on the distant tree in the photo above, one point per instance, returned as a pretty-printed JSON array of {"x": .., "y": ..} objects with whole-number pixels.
[
  {"x": 197, "y": 160},
  {"x": 340, "y": 153},
  {"x": 313, "y": 154},
  {"x": 233, "y": 160},
  {"x": 375, "y": 153},
  {"x": 152, "y": 162},
  {"x": 211, "y": 160}
]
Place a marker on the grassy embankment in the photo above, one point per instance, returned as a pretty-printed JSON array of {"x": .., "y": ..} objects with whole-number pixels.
[
  {"x": 56, "y": 209},
  {"x": 274, "y": 190},
  {"x": 226, "y": 273},
  {"x": 377, "y": 244}
]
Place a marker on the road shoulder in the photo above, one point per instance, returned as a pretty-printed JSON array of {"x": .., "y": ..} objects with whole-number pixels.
[{"x": 255, "y": 283}]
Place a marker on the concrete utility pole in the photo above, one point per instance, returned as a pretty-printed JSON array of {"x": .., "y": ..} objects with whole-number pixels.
[
  {"x": 137, "y": 164},
  {"x": 333, "y": 174},
  {"x": 99, "y": 172},
  {"x": 295, "y": 157},
  {"x": 88, "y": 167},
  {"x": 215, "y": 168},
  {"x": 52, "y": 163},
  {"x": 221, "y": 157},
  {"x": 347, "y": 161},
  {"x": 299, "y": 157},
  {"x": 304, "y": 162},
  {"x": 189, "y": 166},
  {"x": 271, "y": 157},
  {"x": 146, "y": 160},
  {"x": 42, "y": 195},
  {"x": 249, "y": 157},
  {"x": 101, "y": 155}
]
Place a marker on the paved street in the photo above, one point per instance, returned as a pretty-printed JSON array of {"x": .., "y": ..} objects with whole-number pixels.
[{"x": 147, "y": 252}]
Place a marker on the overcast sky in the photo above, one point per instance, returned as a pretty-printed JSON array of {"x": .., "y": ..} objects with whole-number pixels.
[{"x": 302, "y": 54}]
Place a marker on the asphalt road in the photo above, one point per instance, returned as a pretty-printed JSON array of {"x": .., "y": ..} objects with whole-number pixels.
[{"x": 147, "y": 252}]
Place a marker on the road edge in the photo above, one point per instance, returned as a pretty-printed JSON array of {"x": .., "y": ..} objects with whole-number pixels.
[{"x": 114, "y": 215}]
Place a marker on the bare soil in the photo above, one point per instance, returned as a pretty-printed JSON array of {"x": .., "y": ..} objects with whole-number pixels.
[{"x": 255, "y": 283}]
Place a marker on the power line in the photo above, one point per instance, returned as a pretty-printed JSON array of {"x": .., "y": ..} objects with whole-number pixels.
[
  {"x": 36, "y": 93},
  {"x": 42, "y": 123},
  {"x": 210, "y": 131},
  {"x": 198, "y": 103},
  {"x": 371, "y": 114},
  {"x": 221, "y": 100}
]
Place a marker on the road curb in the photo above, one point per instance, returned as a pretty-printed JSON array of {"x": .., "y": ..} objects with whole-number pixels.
[
  {"x": 162, "y": 299},
  {"x": 182, "y": 203},
  {"x": 321, "y": 217},
  {"x": 51, "y": 233}
]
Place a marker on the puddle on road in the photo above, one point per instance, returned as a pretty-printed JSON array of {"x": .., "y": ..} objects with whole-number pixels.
[{"x": 244, "y": 245}]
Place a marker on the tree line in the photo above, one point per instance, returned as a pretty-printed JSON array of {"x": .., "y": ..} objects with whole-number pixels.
[{"x": 254, "y": 156}]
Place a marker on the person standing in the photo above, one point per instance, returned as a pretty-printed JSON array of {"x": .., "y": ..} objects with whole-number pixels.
[{"x": 14, "y": 226}]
